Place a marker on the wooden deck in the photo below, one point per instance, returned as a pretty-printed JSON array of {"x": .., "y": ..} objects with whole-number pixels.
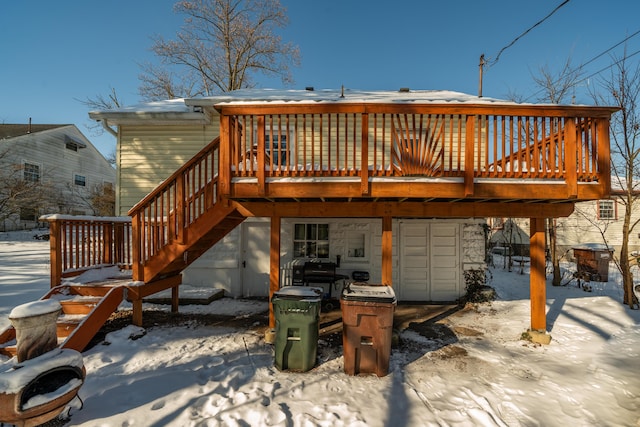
[{"x": 336, "y": 158}]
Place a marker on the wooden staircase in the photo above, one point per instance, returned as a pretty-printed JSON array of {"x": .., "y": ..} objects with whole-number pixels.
[
  {"x": 181, "y": 219},
  {"x": 85, "y": 308}
]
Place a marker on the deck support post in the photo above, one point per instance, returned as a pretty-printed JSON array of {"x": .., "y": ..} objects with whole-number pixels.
[
  {"x": 537, "y": 280},
  {"x": 55, "y": 251},
  {"x": 274, "y": 265},
  {"x": 387, "y": 251},
  {"x": 137, "y": 312}
]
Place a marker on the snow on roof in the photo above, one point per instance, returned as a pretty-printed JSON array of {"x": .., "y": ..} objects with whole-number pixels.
[
  {"x": 182, "y": 106},
  {"x": 191, "y": 109},
  {"x": 167, "y": 106},
  {"x": 347, "y": 96}
]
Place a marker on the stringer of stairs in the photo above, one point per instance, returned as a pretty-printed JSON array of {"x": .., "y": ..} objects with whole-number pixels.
[
  {"x": 85, "y": 308},
  {"x": 200, "y": 236}
]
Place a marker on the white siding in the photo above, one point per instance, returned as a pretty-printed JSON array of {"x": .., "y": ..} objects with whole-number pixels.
[
  {"x": 221, "y": 266},
  {"x": 59, "y": 165},
  {"x": 147, "y": 155}
]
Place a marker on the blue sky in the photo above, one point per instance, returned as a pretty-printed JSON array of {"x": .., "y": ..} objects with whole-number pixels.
[{"x": 56, "y": 52}]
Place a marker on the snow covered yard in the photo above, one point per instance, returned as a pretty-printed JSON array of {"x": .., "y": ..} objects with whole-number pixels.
[{"x": 468, "y": 368}]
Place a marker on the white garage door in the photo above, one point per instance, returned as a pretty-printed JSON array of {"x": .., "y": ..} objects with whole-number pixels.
[{"x": 429, "y": 261}]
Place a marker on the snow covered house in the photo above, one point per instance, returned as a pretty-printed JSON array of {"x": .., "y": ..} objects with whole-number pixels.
[
  {"x": 233, "y": 191},
  {"x": 57, "y": 157}
]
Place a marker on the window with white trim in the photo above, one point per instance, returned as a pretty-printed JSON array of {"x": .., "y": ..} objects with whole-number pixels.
[
  {"x": 357, "y": 246},
  {"x": 311, "y": 241},
  {"x": 607, "y": 209},
  {"x": 79, "y": 180},
  {"x": 31, "y": 172}
]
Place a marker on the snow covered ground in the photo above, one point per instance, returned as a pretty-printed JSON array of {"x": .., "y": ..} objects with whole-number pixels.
[{"x": 476, "y": 372}]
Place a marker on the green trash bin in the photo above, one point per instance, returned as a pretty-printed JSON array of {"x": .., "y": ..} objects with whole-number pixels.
[{"x": 297, "y": 314}]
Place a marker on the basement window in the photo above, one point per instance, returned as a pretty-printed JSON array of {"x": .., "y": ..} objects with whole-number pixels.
[{"x": 311, "y": 241}]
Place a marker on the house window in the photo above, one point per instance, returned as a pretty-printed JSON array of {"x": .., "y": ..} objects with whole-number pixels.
[
  {"x": 606, "y": 209},
  {"x": 311, "y": 241},
  {"x": 277, "y": 146},
  {"x": 356, "y": 246},
  {"x": 31, "y": 172},
  {"x": 79, "y": 180},
  {"x": 72, "y": 144}
]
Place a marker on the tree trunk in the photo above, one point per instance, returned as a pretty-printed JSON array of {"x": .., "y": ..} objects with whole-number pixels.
[
  {"x": 553, "y": 252},
  {"x": 625, "y": 267}
]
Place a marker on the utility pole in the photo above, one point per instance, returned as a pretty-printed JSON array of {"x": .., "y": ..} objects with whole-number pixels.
[{"x": 482, "y": 62}]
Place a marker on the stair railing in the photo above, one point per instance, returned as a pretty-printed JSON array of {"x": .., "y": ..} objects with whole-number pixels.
[
  {"x": 164, "y": 215},
  {"x": 80, "y": 243}
]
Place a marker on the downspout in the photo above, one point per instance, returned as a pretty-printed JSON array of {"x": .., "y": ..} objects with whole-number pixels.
[{"x": 108, "y": 128}]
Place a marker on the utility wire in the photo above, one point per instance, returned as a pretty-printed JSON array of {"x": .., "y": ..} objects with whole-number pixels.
[
  {"x": 609, "y": 66},
  {"x": 580, "y": 67},
  {"x": 606, "y": 51},
  {"x": 529, "y": 29}
]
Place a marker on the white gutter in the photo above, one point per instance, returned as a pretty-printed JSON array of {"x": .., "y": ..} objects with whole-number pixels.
[{"x": 108, "y": 128}]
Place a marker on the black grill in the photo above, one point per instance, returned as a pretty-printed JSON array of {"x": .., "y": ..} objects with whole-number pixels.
[{"x": 319, "y": 272}]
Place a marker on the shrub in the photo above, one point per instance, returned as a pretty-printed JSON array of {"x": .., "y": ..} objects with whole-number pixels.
[{"x": 476, "y": 287}]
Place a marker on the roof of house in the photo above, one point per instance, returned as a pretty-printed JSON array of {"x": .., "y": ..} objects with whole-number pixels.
[
  {"x": 343, "y": 96},
  {"x": 13, "y": 130},
  {"x": 190, "y": 110}
]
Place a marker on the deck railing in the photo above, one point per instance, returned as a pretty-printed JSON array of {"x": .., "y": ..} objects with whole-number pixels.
[
  {"x": 80, "y": 243},
  {"x": 164, "y": 215},
  {"x": 469, "y": 142}
]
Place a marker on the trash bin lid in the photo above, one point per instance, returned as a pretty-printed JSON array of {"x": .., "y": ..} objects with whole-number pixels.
[
  {"x": 299, "y": 293},
  {"x": 368, "y": 293},
  {"x": 595, "y": 247}
]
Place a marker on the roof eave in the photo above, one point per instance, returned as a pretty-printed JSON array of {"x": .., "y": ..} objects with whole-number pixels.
[{"x": 152, "y": 118}]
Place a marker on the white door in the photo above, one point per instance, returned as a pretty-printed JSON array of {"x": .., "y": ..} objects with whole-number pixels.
[
  {"x": 445, "y": 261},
  {"x": 255, "y": 259},
  {"x": 429, "y": 261},
  {"x": 414, "y": 266}
]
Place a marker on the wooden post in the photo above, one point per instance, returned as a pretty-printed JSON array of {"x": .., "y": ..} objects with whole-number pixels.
[
  {"x": 604, "y": 155},
  {"x": 571, "y": 166},
  {"x": 136, "y": 247},
  {"x": 364, "y": 156},
  {"x": 262, "y": 159},
  {"x": 387, "y": 251},
  {"x": 224, "y": 173},
  {"x": 137, "y": 312},
  {"x": 108, "y": 255},
  {"x": 274, "y": 265},
  {"x": 537, "y": 279},
  {"x": 55, "y": 251},
  {"x": 469, "y": 156}
]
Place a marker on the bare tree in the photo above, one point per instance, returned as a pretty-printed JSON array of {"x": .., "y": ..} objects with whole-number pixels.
[
  {"x": 222, "y": 44},
  {"x": 622, "y": 89},
  {"x": 102, "y": 102},
  {"x": 555, "y": 87}
]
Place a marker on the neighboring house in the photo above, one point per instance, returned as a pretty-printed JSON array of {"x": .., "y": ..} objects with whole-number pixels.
[
  {"x": 59, "y": 162},
  {"x": 394, "y": 183},
  {"x": 595, "y": 221}
]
